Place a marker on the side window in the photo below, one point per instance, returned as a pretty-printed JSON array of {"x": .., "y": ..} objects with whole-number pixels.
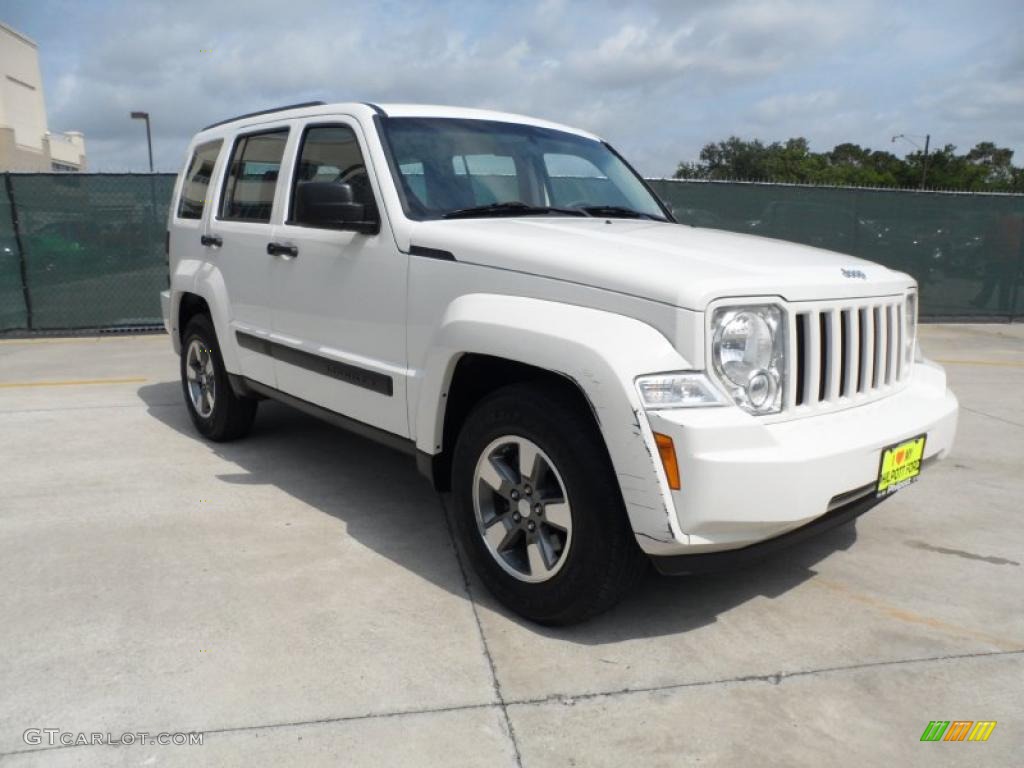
[
  {"x": 252, "y": 176},
  {"x": 195, "y": 188},
  {"x": 330, "y": 153}
]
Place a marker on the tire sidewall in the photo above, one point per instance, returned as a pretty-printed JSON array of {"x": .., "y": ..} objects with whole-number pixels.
[{"x": 593, "y": 495}]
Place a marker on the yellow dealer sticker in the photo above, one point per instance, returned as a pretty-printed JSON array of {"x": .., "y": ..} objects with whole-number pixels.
[{"x": 900, "y": 465}]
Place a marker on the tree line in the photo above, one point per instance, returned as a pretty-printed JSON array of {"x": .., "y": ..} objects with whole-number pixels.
[{"x": 985, "y": 168}]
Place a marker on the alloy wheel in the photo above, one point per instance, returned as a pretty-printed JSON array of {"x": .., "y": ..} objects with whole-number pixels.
[
  {"x": 522, "y": 509},
  {"x": 202, "y": 381}
]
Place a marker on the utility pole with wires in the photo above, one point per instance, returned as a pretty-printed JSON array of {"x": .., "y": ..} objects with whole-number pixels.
[{"x": 927, "y": 142}]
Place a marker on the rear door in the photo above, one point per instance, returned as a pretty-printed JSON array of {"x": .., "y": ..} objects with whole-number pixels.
[
  {"x": 190, "y": 212},
  {"x": 340, "y": 296},
  {"x": 236, "y": 239}
]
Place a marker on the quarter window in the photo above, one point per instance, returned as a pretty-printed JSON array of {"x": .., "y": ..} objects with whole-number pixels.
[
  {"x": 330, "y": 153},
  {"x": 195, "y": 189},
  {"x": 252, "y": 177}
]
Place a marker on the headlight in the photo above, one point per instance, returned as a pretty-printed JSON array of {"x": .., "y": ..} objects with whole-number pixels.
[
  {"x": 677, "y": 390},
  {"x": 910, "y": 328},
  {"x": 748, "y": 355}
]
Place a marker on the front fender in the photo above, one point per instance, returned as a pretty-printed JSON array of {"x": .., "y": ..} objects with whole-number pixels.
[{"x": 600, "y": 351}]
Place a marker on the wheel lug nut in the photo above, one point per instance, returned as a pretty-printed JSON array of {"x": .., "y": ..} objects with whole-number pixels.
[
  {"x": 528, "y": 490},
  {"x": 515, "y": 495},
  {"x": 531, "y": 525},
  {"x": 515, "y": 517},
  {"x": 537, "y": 508}
]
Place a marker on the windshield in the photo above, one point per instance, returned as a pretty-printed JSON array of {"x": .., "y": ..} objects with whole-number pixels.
[{"x": 448, "y": 168}]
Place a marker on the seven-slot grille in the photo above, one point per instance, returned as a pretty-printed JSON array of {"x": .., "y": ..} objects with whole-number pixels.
[{"x": 845, "y": 352}]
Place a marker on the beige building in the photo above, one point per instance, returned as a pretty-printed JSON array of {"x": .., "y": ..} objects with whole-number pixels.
[{"x": 26, "y": 143}]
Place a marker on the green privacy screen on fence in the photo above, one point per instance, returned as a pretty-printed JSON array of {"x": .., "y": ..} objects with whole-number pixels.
[
  {"x": 91, "y": 247},
  {"x": 965, "y": 250},
  {"x": 12, "y": 291},
  {"x": 86, "y": 251}
]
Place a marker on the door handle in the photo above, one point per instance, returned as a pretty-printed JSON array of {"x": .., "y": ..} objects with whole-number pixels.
[
  {"x": 280, "y": 249},
  {"x": 211, "y": 240}
]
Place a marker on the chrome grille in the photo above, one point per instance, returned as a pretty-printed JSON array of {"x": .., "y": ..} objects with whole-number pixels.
[{"x": 842, "y": 353}]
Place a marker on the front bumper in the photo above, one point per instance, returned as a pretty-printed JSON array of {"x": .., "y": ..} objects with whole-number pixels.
[
  {"x": 745, "y": 481},
  {"x": 730, "y": 559}
]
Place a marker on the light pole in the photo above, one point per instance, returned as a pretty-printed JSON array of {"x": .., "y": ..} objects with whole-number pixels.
[
  {"x": 152, "y": 215},
  {"x": 927, "y": 141},
  {"x": 149, "y": 138}
]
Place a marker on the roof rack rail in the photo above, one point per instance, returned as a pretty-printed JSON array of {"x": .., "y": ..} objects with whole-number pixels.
[
  {"x": 380, "y": 112},
  {"x": 265, "y": 112}
]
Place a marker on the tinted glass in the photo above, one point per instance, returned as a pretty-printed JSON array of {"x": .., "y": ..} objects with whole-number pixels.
[
  {"x": 492, "y": 178},
  {"x": 252, "y": 177},
  {"x": 195, "y": 189},
  {"x": 442, "y": 165},
  {"x": 331, "y": 153}
]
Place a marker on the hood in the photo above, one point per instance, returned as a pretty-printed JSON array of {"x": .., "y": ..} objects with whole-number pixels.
[{"x": 671, "y": 263}]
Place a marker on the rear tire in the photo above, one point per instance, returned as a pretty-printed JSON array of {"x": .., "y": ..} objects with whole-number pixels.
[
  {"x": 549, "y": 537},
  {"x": 217, "y": 412}
]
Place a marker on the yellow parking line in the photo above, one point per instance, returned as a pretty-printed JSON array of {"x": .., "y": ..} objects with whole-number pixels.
[
  {"x": 1000, "y": 363},
  {"x": 68, "y": 383}
]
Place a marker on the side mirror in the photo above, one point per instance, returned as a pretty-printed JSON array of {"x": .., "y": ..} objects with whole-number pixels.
[{"x": 332, "y": 205}]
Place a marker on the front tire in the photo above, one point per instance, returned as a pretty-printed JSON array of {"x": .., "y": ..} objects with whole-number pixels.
[
  {"x": 216, "y": 411},
  {"x": 537, "y": 509}
]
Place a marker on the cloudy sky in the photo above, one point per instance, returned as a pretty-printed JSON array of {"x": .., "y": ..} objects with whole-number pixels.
[{"x": 657, "y": 78}]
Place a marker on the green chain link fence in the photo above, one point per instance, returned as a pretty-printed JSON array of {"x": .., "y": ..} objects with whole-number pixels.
[
  {"x": 966, "y": 250},
  {"x": 86, "y": 251}
]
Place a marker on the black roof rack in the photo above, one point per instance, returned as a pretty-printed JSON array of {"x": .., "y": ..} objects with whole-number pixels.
[{"x": 265, "y": 112}]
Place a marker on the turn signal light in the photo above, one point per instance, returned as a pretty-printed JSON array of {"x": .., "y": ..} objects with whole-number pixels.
[{"x": 667, "y": 451}]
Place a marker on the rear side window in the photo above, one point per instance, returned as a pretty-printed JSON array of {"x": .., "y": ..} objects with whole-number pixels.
[
  {"x": 195, "y": 189},
  {"x": 252, "y": 176}
]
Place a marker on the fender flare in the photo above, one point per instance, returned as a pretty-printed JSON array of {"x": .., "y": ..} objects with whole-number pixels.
[
  {"x": 207, "y": 282},
  {"x": 602, "y": 352}
]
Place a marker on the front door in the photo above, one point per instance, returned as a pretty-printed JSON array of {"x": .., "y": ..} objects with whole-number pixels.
[{"x": 340, "y": 296}]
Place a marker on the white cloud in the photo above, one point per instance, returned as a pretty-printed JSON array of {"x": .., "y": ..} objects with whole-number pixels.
[
  {"x": 658, "y": 77},
  {"x": 787, "y": 105}
]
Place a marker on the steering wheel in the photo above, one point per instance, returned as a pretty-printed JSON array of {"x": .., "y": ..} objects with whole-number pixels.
[{"x": 352, "y": 170}]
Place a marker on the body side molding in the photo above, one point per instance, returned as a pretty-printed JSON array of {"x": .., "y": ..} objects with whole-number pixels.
[{"x": 374, "y": 381}]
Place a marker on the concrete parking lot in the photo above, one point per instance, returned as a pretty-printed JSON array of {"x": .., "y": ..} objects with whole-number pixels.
[{"x": 297, "y": 599}]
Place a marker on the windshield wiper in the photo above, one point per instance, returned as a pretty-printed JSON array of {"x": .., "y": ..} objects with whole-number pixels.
[
  {"x": 510, "y": 208},
  {"x": 620, "y": 211}
]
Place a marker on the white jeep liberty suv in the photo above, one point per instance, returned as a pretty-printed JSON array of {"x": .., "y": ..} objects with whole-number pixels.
[{"x": 506, "y": 299}]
